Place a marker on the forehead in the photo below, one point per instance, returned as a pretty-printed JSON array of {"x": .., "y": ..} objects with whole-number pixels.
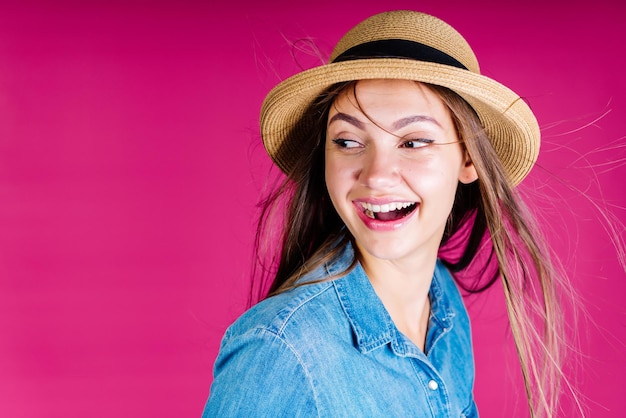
[{"x": 388, "y": 100}]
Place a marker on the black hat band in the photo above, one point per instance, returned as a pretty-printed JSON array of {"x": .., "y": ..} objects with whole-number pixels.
[{"x": 398, "y": 48}]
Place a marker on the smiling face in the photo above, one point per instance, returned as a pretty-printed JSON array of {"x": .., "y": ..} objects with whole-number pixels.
[{"x": 393, "y": 162}]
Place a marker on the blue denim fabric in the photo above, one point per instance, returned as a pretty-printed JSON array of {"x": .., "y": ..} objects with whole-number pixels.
[{"x": 330, "y": 349}]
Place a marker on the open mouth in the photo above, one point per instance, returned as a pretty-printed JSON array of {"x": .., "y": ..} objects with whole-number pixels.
[{"x": 389, "y": 211}]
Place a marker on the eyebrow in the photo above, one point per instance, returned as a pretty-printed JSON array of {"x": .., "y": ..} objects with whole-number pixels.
[
  {"x": 346, "y": 118},
  {"x": 399, "y": 124}
]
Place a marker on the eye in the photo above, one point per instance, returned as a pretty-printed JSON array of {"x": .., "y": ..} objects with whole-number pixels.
[
  {"x": 346, "y": 143},
  {"x": 417, "y": 143}
]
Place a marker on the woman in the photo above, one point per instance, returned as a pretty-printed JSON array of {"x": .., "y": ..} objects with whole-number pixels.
[{"x": 394, "y": 152}]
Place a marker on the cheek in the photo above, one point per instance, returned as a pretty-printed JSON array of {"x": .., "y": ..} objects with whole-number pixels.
[
  {"x": 435, "y": 183},
  {"x": 335, "y": 178}
]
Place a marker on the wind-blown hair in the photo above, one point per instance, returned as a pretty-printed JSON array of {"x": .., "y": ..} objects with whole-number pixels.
[{"x": 497, "y": 234}]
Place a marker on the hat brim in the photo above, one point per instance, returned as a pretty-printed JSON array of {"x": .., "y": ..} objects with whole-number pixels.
[{"x": 507, "y": 119}]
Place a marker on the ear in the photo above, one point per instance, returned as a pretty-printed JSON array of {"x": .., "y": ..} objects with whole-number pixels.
[{"x": 468, "y": 172}]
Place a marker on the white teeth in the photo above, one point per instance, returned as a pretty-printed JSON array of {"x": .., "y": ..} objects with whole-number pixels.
[{"x": 387, "y": 207}]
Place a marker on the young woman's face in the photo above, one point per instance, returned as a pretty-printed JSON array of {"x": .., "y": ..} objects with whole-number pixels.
[{"x": 393, "y": 162}]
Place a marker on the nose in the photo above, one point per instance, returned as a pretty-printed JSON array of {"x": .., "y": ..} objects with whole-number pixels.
[{"x": 380, "y": 169}]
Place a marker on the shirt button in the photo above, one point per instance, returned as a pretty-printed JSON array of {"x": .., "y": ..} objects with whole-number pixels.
[{"x": 433, "y": 385}]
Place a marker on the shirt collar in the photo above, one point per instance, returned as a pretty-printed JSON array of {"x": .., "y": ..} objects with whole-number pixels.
[{"x": 371, "y": 323}]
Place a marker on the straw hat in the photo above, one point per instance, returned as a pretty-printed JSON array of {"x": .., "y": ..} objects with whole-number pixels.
[{"x": 411, "y": 46}]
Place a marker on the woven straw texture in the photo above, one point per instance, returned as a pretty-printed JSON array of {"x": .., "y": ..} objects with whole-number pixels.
[{"x": 508, "y": 120}]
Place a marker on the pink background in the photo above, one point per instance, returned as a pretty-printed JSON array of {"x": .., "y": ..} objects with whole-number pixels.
[{"x": 130, "y": 167}]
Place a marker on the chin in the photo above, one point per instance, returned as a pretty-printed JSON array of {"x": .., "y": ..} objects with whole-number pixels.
[
  {"x": 384, "y": 250},
  {"x": 398, "y": 246}
]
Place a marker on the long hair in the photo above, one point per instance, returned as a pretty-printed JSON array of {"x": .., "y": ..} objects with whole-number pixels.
[
  {"x": 528, "y": 276},
  {"x": 500, "y": 240},
  {"x": 309, "y": 229}
]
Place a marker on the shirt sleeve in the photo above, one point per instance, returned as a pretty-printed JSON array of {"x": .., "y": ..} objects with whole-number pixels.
[{"x": 258, "y": 374}]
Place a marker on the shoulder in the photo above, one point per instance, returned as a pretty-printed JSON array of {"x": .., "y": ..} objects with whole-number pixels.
[
  {"x": 268, "y": 346},
  {"x": 276, "y": 315},
  {"x": 255, "y": 360},
  {"x": 312, "y": 302}
]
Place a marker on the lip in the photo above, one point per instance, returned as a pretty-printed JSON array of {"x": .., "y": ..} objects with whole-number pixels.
[{"x": 382, "y": 226}]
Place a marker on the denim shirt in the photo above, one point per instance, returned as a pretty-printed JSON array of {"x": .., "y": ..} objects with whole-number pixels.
[{"x": 330, "y": 349}]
